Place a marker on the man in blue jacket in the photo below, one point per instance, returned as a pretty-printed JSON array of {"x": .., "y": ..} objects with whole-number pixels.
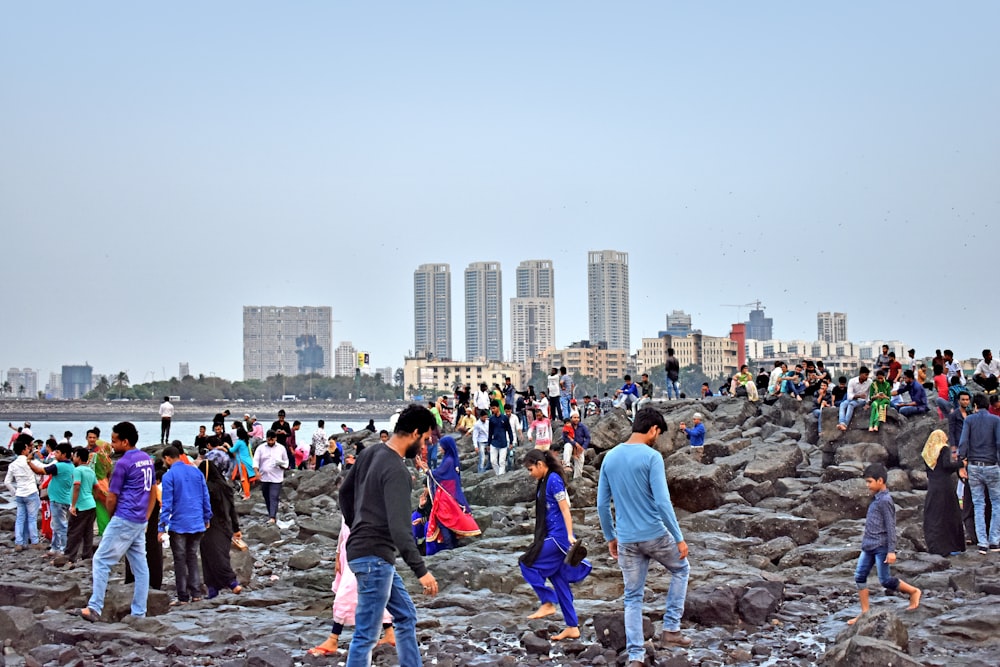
[
  {"x": 186, "y": 511},
  {"x": 644, "y": 528}
]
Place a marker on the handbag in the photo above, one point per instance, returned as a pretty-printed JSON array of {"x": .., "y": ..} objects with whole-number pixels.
[
  {"x": 577, "y": 552},
  {"x": 881, "y": 412}
]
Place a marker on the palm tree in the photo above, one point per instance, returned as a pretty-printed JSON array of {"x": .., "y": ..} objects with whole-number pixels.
[
  {"x": 20, "y": 391},
  {"x": 6, "y": 387},
  {"x": 121, "y": 381},
  {"x": 103, "y": 386}
]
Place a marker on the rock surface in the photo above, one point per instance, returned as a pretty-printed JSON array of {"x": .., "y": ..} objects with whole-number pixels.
[{"x": 772, "y": 514}]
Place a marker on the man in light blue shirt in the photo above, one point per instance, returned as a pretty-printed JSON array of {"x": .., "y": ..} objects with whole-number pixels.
[{"x": 644, "y": 528}]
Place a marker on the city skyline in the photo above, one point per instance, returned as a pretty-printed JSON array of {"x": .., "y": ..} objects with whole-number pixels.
[{"x": 363, "y": 142}]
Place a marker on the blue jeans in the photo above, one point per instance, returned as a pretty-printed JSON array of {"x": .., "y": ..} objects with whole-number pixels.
[
  {"x": 847, "y": 410},
  {"x": 673, "y": 387},
  {"x": 26, "y": 524},
  {"x": 484, "y": 457},
  {"x": 564, "y": 406},
  {"x": 271, "y": 492},
  {"x": 983, "y": 480},
  {"x": 60, "y": 525},
  {"x": 818, "y": 414},
  {"x": 910, "y": 410},
  {"x": 865, "y": 562},
  {"x": 945, "y": 406},
  {"x": 380, "y": 588},
  {"x": 432, "y": 455},
  {"x": 187, "y": 575},
  {"x": 120, "y": 538},
  {"x": 634, "y": 560}
]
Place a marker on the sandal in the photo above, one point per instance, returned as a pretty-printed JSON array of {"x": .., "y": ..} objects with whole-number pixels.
[
  {"x": 86, "y": 614},
  {"x": 319, "y": 651}
]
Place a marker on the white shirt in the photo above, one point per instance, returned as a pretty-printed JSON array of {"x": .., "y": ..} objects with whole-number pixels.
[
  {"x": 166, "y": 409},
  {"x": 553, "y": 385},
  {"x": 482, "y": 400},
  {"x": 20, "y": 479},
  {"x": 481, "y": 432},
  {"x": 953, "y": 368},
  {"x": 270, "y": 462},
  {"x": 992, "y": 368},
  {"x": 855, "y": 386}
]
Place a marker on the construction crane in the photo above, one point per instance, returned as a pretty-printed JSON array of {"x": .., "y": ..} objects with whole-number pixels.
[{"x": 757, "y": 306}]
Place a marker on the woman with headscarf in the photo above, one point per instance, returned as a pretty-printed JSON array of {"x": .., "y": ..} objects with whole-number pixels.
[
  {"x": 218, "y": 539},
  {"x": 345, "y": 601},
  {"x": 545, "y": 558},
  {"x": 943, "y": 530},
  {"x": 450, "y": 514}
]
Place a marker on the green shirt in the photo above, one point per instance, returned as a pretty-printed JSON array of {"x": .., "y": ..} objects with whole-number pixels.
[
  {"x": 61, "y": 484},
  {"x": 86, "y": 478}
]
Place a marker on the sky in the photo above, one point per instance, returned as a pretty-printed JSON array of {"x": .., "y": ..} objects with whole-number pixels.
[{"x": 163, "y": 165}]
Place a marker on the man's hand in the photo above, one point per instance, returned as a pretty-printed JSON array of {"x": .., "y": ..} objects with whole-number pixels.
[
  {"x": 890, "y": 557},
  {"x": 430, "y": 584},
  {"x": 72, "y": 510},
  {"x": 682, "y": 549},
  {"x": 613, "y": 548}
]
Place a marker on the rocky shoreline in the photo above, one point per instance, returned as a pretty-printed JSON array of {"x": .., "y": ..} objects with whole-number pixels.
[
  {"x": 39, "y": 410},
  {"x": 773, "y": 515}
]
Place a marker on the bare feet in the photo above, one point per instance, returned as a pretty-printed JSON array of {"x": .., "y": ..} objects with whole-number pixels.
[
  {"x": 568, "y": 633},
  {"x": 389, "y": 637},
  {"x": 871, "y": 429},
  {"x": 854, "y": 620},
  {"x": 914, "y": 599},
  {"x": 841, "y": 427},
  {"x": 546, "y": 609}
]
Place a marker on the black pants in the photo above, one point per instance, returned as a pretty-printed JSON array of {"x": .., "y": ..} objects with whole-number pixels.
[
  {"x": 215, "y": 563},
  {"x": 184, "y": 547},
  {"x": 80, "y": 536},
  {"x": 164, "y": 430},
  {"x": 989, "y": 384},
  {"x": 154, "y": 553}
]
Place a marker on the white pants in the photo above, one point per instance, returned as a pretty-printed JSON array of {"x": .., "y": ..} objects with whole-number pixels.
[
  {"x": 498, "y": 457},
  {"x": 576, "y": 461}
]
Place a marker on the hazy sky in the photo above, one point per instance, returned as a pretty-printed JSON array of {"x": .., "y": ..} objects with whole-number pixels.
[{"x": 163, "y": 165}]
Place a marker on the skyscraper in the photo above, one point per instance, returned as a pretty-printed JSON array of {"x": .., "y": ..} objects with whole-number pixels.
[
  {"x": 535, "y": 278},
  {"x": 532, "y": 311},
  {"x": 831, "y": 327},
  {"x": 77, "y": 381},
  {"x": 483, "y": 312},
  {"x": 345, "y": 359},
  {"x": 287, "y": 340},
  {"x": 607, "y": 298},
  {"x": 432, "y": 310},
  {"x": 760, "y": 327}
]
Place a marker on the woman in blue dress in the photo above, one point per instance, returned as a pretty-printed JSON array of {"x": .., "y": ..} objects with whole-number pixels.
[{"x": 553, "y": 538}]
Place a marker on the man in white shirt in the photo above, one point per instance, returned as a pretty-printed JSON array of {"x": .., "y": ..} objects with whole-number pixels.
[
  {"x": 987, "y": 372},
  {"x": 482, "y": 400},
  {"x": 857, "y": 396},
  {"x": 953, "y": 367},
  {"x": 552, "y": 386},
  {"x": 481, "y": 440},
  {"x": 23, "y": 487},
  {"x": 166, "y": 414}
]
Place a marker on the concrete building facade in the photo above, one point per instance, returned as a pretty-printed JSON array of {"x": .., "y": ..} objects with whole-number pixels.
[
  {"x": 432, "y": 311},
  {"x": 831, "y": 327},
  {"x": 484, "y": 312},
  {"x": 422, "y": 375},
  {"x": 589, "y": 359},
  {"x": 532, "y": 327},
  {"x": 608, "y": 298},
  {"x": 287, "y": 340},
  {"x": 345, "y": 359}
]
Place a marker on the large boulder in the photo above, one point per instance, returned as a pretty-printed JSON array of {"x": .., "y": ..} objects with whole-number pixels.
[
  {"x": 612, "y": 429},
  {"x": 695, "y": 487},
  {"x": 878, "y": 638},
  {"x": 712, "y": 606},
  {"x": 325, "y": 481},
  {"x": 609, "y": 628},
  {"x": 515, "y": 486},
  {"x": 832, "y": 501},
  {"x": 771, "y": 462}
]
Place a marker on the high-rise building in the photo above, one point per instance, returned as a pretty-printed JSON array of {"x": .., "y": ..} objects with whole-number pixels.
[
  {"x": 287, "y": 340},
  {"x": 678, "y": 324},
  {"x": 183, "y": 370},
  {"x": 607, "y": 298},
  {"x": 758, "y": 326},
  {"x": 831, "y": 327},
  {"x": 532, "y": 327},
  {"x": 535, "y": 278},
  {"x": 432, "y": 311},
  {"x": 77, "y": 381},
  {"x": 483, "y": 312},
  {"x": 23, "y": 382},
  {"x": 345, "y": 359},
  {"x": 54, "y": 388}
]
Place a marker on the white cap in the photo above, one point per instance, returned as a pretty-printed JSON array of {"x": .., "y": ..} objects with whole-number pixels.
[{"x": 697, "y": 415}]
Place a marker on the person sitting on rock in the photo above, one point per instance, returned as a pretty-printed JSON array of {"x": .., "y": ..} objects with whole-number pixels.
[
  {"x": 822, "y": 399},
  {"x": 878, "y": 544},
  {"x": 987, "y": 373},
  {"x": 917, "y": 404},
  {"x": 774, "y": 383},
  {"x": 878, "y": 396},
  {"x": 706, "y": 390},
  {"x": 839, "y": 392},
  {"x": 695, "y": 434},
  {"x": 793, "y": 382},
  {"x": 857, "y": 396}
]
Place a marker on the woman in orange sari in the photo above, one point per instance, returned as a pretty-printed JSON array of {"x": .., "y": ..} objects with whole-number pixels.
[{"x": 450, "y": 516}]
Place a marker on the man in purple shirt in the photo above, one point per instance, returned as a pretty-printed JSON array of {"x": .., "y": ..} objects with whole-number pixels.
[{"x": 130, "y": 501}]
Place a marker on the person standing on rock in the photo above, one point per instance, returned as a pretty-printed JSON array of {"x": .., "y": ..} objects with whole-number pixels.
[
  {"x": 857, "y": 396},
  {"x": 375, "y": 501},
  {"x": 943, "y": 531},
  {"x": 166, "y": 415},
  {"x": 695, "y": 435},
  {"x": 130, "y": 501},
  {"x": 643, "y": 528},
  {"x": 218, "y": 540},
  {"x": 186, "y": 511},
  {"x": 552, "y": 385},
  {"x": 978, "y": 449},
  {"x": 672, "y": 370},
  {"x": 501, "y": 437},
  {"x": 545, "y": 558},
  {"x": 878, "y": 544},
  {"x": 481, "y": 441},
  {"x": 270, "y": 461}
]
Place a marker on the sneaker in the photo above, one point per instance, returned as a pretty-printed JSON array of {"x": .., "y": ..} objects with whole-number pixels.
[
  {"x": 674, "y": 638},
  {"x": 18, "y": 547},
  {"x": 995, "y": 547},
  {"x": 212, "y": 593},
  {"x": 983, "y": 550}
]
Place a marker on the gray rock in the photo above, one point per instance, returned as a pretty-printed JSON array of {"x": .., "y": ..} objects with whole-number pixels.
[
  {"x": 508, "y": 489},
  {"x": 827, "y": 503},
  {"x": 304, "y": 559},
  {"x": 609, "y": 629},
  {"x": 269, "y": 656},
  {"x": 869, "y": 452},
  {"x": 19, "y": 625},
  {"x": 36, "y": 596},
  {"x": 535, "y": 645},
  {"x": 712, "y": 606},
  {"x": 862, "y": 651},
  {"x": 695, "y": 487},
  {"x": 757, "y": 605},
  {"x": 774, "y": 549}
]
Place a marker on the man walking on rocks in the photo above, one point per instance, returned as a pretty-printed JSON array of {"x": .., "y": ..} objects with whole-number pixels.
[
  {"x": 186, "y": 511},
  {"x": 643, "y": 528},
  {"x": 130, "y": 501},
  {"x": 979, "y": 449},
  {"x": 375, "y": 501}
]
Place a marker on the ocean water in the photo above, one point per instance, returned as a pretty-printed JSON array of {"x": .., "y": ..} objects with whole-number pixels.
[{"x": 185, "y": 431}]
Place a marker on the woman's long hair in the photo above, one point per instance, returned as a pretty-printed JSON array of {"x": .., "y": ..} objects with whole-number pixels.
[{"x": 548, "y": 457}]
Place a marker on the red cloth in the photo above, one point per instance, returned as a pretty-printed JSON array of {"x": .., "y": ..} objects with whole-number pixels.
[{"x": 447, "y": 512}]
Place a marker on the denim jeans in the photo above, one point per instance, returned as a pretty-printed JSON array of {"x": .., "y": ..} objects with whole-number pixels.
[
  {"x": 120, "y": 538},
  {"x": 634, "y": 560},
  {"x": 673, "y": 387},
  {"x": 818, "y": 414},
  {"x": 187, "y": 575},
  {"x": 432, "y": 455},
  {"x": 983, "y": 480},
  {"x": 60, "y": 525},
  {"x": 271, "y": 492},
  {"x": 865, "y": 562},
  {"x": 944, "y": 405},
  {"x": 847, "y": 410},
  {"x": 565, "y": 407},
  {"x": 26, "y": 524},
  {"x": 910, "y": 410},
  {"x": 380, "y": 588},
  {"x": 484, "y": 457}
]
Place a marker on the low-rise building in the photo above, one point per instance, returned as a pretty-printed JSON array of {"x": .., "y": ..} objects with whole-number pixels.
[
  {"x": 716, "y": 355},
  {"x": 595, "y": 360},
  {"x": 422, "y": 375}
]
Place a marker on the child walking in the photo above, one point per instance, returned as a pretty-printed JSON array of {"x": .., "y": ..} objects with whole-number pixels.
[{"x": 878, "y": 545}]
